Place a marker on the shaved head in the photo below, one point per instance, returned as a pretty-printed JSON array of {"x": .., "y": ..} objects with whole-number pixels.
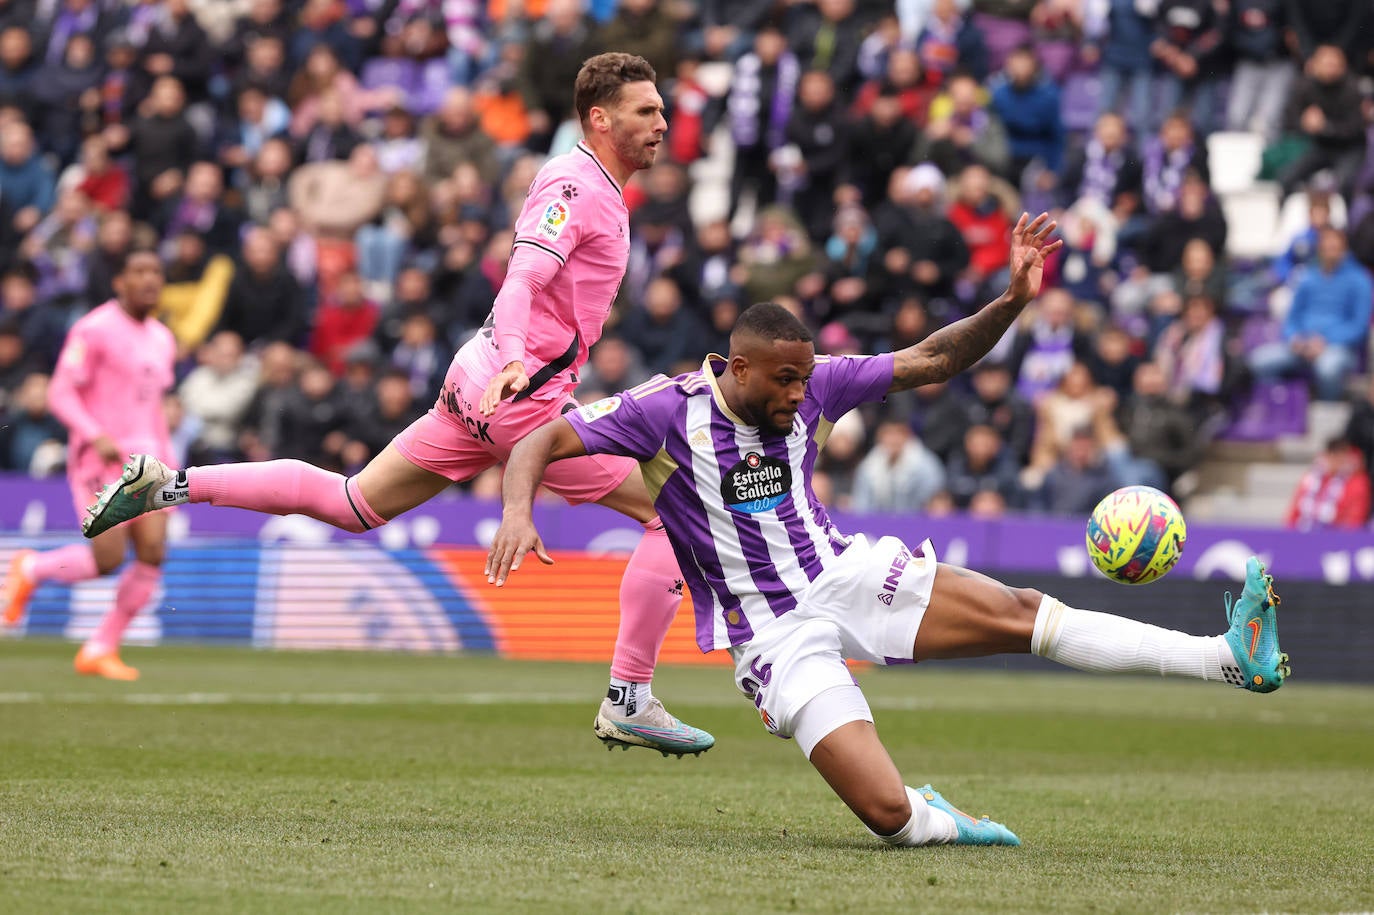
[{"x": 764, "y": 324}]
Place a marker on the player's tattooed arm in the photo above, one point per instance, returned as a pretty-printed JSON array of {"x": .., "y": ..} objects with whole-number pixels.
[{"x": 955, "y": 347}]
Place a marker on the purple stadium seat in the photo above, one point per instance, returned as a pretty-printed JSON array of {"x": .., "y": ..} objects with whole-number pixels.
[
  {"x": 1273, "y": 408},
  {"x": 1081, "y": 95},
  {"x": 1001, "y": 36},
  {"x": 390, "y": 71}
]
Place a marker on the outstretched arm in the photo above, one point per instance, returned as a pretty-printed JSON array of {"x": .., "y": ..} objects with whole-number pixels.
[
  {"x": 528, "y": 460},
  {"x": 953, "y": 348}
]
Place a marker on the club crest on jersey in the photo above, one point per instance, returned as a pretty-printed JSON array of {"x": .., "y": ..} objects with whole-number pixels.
[
  {"x": 556, "y": 216},
  {"x": 756, "y": 484},
  {"x": 597, "y": 409}
]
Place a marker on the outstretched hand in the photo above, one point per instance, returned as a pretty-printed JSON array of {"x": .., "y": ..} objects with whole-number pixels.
[
  {"x": 514, "y": 539},
  {"x": 1030, "y": 246}
]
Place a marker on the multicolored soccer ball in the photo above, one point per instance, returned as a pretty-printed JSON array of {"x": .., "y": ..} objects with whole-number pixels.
[{"x": 1135, "y": 535}]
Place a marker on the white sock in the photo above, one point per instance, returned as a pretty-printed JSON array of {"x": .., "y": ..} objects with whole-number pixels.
[
  {"x": 174, "y": 491},
  {"x": 1103, "y": 643},
  {"x": 927, "y": 825},
  {"x": 628, "y": 697}
]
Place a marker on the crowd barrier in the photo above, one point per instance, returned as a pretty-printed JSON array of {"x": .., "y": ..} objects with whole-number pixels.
[{"x": 417, "y": 584}]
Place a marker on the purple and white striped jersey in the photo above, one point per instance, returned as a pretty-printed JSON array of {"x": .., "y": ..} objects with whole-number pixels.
[{"x": 749, "y": 533}]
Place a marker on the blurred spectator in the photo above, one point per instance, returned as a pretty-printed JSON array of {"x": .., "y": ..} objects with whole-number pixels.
[
  {"x": 1303, "y": 247},
  {"x": 1075, "y": 403},
  {"x": 645, "y": 28},
  {"x": 264, "y": 187},
  {"x": 322, "y": 77},
  {"x": 330, "y": 137},
  {"x": 924, "y": 251},
  {"x": 17, "y": 67},
  {"x": 839, "y": 460},
  {"x": 334, "y": 199},
  {"x": 775, "y": 256},
  {"x": 1334, "y": 492},
  {"x": 113, "y": 237},
  {"x": 452, "y": 136},
  {"x": 940, "y": 417},
  {"x": 263, "y": 422},
  {"x": 725, "y": 28},
  {"x": 320, "y": 24},
  {"x": 265, "y": 66},
  {"x": 162, "y": 145},
  {"x": 1325, "y": 108},
  {"x": 1263, "y": 72},
  {"x": 66, "y": 92},
  {"x": 177, "y": 46},
  {"x": 16, "y": 362},
  {"x": 1345, "y": 24},
  {"x": 849, "y": 254},
  {"x": 258, "y": 118},
  {"x": 995, "y": 403},
  {"x": 613, "y": 366},
  {"x": 41, "y": 326},
  {"x": 1027, "y": 103},
  {"x": 951, "y": 41},
  {"x": 182, "y": 428},
  {"x": 200, "y": 208},
  {"x": 342, "y": 321},
  {"x": 1327, "y": 322},
  {"x": 899, "y": 474},
  {"x": 398, "y": 147},
  {"x": 421, "y": 357},
  {"x": 313, "y": 419},
  {"x": 666, "y": 334},
  {"x": 103, "y": 180},
  {"x": 27, "y": 184},
  {"x": 31, "y": 438},
  {"x": 58, "y": 22},
  {"x": 1191, "y": 353},
  {"x": 1112, "y": 362},
  {"x": 57, "y": 248},
  {"x": 1106, "y": 171},
  {"x": 983, "y": 463},
  {"x": 402, "y": 224},
  {"x": 1078, "y": 480},
  {"x": 197, "y": 284},
  {"x": 393, "y": 407},
  {"x": 1168, "y": 159},
  {"x": 264, "y": 19},
  {"x": 1161, "y": 440},
  {"x": 1189, "y": 45},
  {"x": 219, "y": 392},
  {"x": 1048, "y": 343},
  {"x": 964, "y": 129},
  {"x": 881, "y": 141},
  {"x": 819, "y": 130},
  {"x": 904, "y": 79},
  {"x": 557, "y": 46},
  {"x": 265, "y": 303},
  {"x": 826, "y": 36},
  {"x": 689, "y": 103},
  {"x": 982, "y": 221},
  {"x": 759, "y": 107}
]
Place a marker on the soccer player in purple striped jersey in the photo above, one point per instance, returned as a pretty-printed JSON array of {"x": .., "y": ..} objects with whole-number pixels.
[{"x": 727, "y": 453}]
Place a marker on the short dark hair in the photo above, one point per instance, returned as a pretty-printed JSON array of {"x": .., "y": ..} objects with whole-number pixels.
[
  {"x": 601, "y": 78},
  {"x": 121, "y": 261},
  {"x": 769, "y": 321}
]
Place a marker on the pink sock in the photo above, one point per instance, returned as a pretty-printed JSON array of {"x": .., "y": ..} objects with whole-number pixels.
[
  {"x": 136, "y": 586},
  {"x": 285, "y": 488},
  {"x": 67, "y": 564},
  {"x": 650, "y": 594}
]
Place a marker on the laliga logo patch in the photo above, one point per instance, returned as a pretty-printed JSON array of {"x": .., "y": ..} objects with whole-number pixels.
[
  {"x": 756, "y": 484},
  {"x": 556, "y": 216},
  {"x": 597, "y": 409}
]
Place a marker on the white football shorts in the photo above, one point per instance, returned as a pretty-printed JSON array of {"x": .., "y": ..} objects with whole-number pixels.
[{"x": 867, "y": 606}]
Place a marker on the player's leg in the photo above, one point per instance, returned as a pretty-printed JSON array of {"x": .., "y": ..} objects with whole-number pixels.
[
  {"x": 650, "y": 594},
  {"x": 389, "y": 485},
  {"x": 99, "y": 655},
  {"x": 971, "y": 615}
]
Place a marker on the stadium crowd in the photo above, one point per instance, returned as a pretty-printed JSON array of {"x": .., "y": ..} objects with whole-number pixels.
[{"x": 331, "y": 184}]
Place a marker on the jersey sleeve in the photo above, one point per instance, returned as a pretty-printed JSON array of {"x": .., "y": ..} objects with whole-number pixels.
[
  {"x": 626, "y": 424},
  {"x": 553, "y": 219},
  {"x": 76, "y": 365},
  {"x": 841, "y": 383}
]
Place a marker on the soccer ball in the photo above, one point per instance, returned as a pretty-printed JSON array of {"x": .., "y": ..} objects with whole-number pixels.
[{"x": 1135, "y": 535}]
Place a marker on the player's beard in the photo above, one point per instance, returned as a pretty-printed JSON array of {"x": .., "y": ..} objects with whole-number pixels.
[{"x": 633, "y": 151}]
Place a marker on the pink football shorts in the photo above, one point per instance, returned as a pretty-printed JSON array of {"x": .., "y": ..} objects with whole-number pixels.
[{"x": 454, "y": 440}]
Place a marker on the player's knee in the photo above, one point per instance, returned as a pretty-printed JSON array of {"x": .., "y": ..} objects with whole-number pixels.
[
  {"x": 887, "y": 814},
  {"x": 153, "y": 554},
  {"x": 106, "y": 565}
]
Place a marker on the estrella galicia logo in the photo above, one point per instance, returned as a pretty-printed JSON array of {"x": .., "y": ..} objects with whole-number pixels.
[{"x": 756, "y": 484}]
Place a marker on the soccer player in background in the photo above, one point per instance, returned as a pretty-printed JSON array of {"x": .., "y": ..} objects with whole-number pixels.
[
  {"x": 115, "y": 366},
  {"x": 571, "y": 246},
  {"x": 728, "y": 453}
]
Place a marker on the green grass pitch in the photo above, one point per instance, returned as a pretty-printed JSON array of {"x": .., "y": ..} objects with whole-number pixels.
[{"x": 231, "y": 780}]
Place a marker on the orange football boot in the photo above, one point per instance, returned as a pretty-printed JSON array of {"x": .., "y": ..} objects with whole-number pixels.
[
  {"x": 18, "y": 588},
  {"x": 89, "y": 664}
]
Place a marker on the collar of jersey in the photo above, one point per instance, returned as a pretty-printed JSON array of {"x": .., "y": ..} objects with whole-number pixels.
[
  {"x": 582, "y": 145},
  {"x": 710, "y": 373}
]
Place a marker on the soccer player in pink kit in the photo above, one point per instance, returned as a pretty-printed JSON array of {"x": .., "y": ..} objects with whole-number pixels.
[
  {"x": 107, "y": 390},
  {"x": 571, "y": 247}
]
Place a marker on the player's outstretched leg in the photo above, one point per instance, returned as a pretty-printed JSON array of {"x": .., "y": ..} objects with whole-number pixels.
[
  {"x": 273, "y": 487},
  {"x": 972, "y": 830},
  {"x": 29, "y": 568},
  {"x": 650, "y": 594},
  {"x": 1254, "y": 634}
]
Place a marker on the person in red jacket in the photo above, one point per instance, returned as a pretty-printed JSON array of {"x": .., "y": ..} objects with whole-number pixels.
[
  {"x": 344, "y": 320},
  {"x": 1334, "y": 492},
  {"x": 978, "y": 214}
]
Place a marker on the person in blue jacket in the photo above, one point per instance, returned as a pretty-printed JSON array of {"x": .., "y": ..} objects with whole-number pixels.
[
  {"x": 1327, "y": 323},
  {"x": 1027, "y": 102}
]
